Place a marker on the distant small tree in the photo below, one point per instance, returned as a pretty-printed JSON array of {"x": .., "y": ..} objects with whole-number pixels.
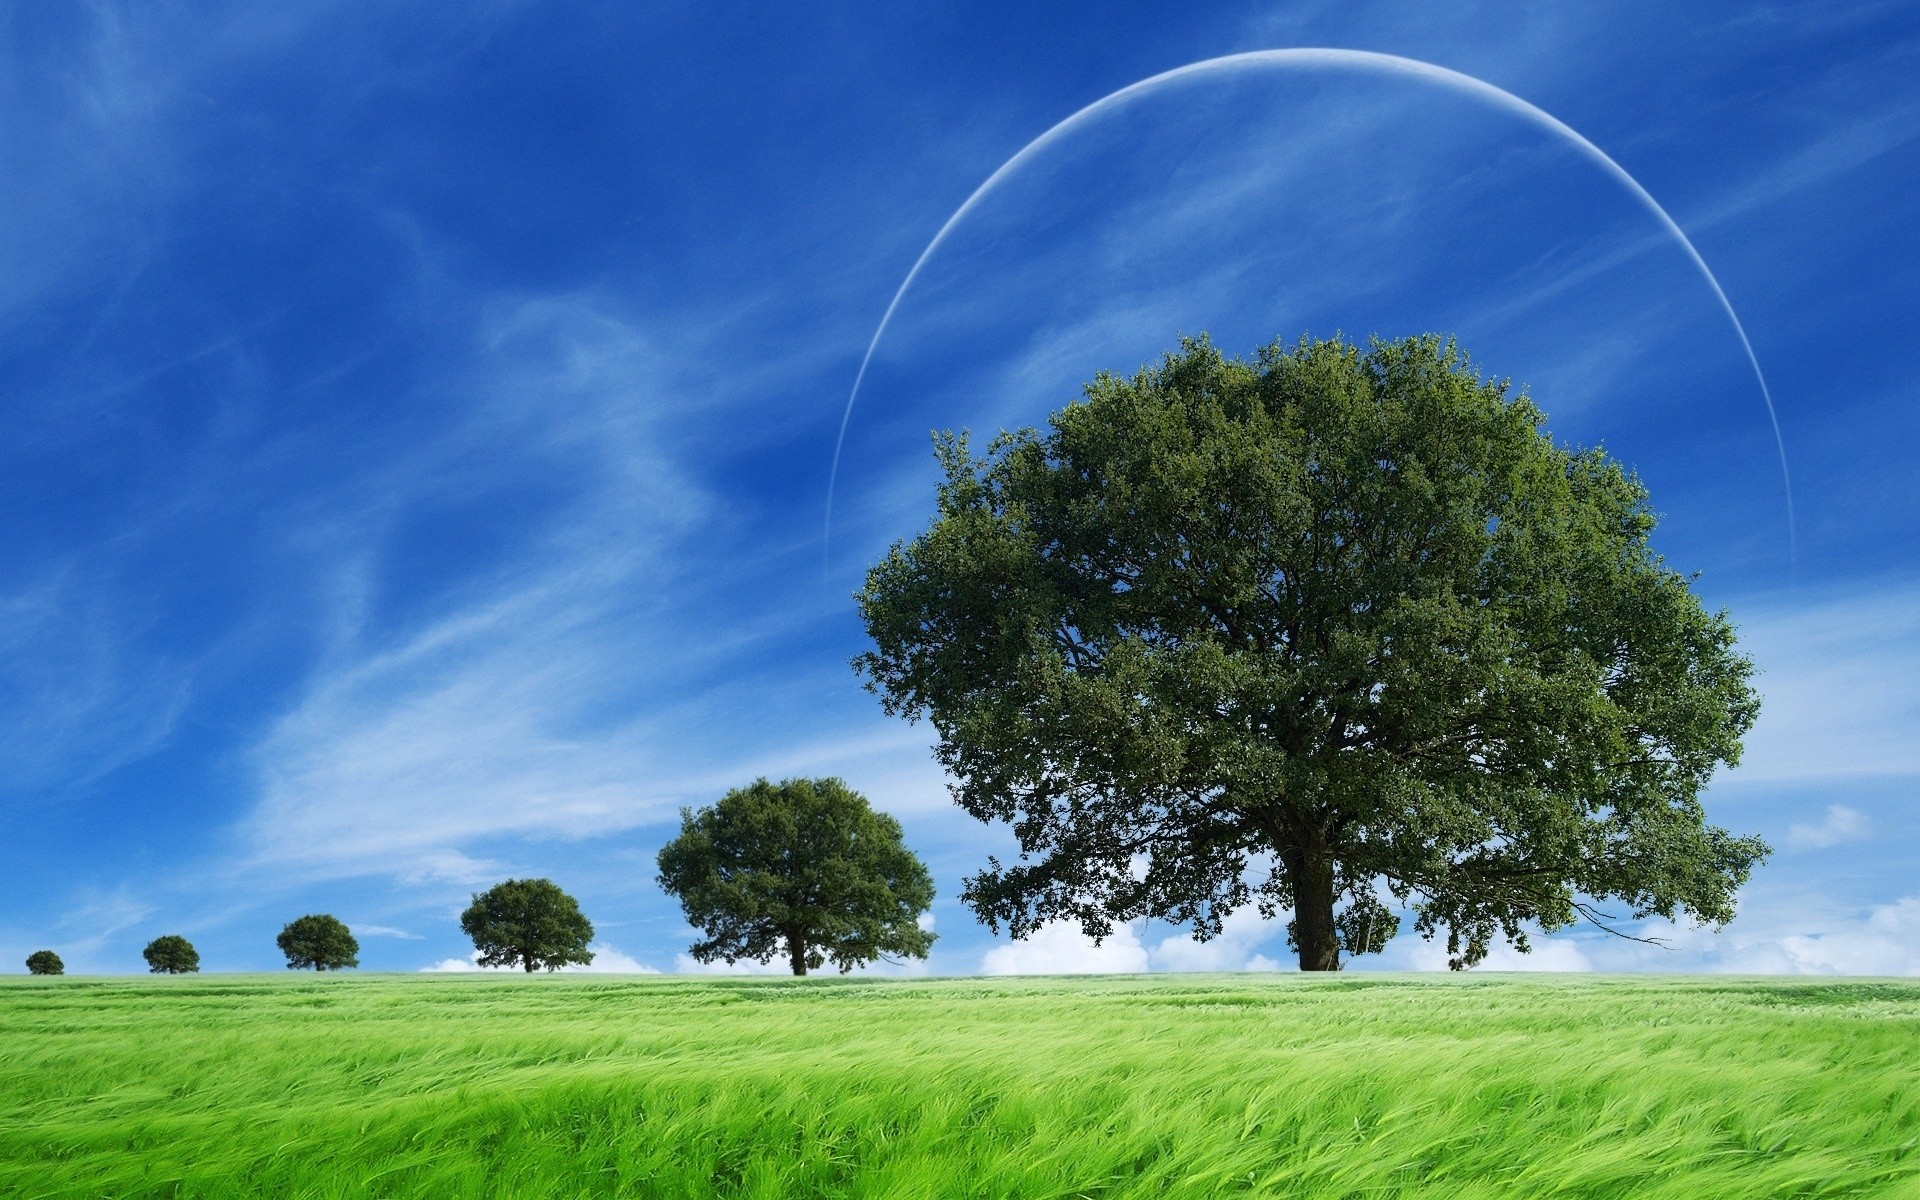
[
  {"x": 320, "y": 942},
  {"x": 805, "y": 868},
  {"x": 528, "y": 923},
  {"x": 171, "y": 954},
  {"x": 45, "y": 962}
]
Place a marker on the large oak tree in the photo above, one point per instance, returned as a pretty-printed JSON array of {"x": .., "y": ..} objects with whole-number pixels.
[{"x": 1334, "y": 624}]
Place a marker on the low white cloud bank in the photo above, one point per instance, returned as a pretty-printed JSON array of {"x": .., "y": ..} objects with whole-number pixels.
[
  {"x": 1060, "y": 948},
  {"x": 606, "y": 960},
  {"x": 1882, "y": 940},
  {"x": 1786, "y": 935},
  {"x": 1235, "y": 949},
  {"x": 1545, "y": 954},
  {"x": 687, "y": 964},
  {"x": 469, "y": 963}
]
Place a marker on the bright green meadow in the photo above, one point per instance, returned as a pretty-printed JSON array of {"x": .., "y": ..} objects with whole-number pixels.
[{"x": 1164, "y": 1086}]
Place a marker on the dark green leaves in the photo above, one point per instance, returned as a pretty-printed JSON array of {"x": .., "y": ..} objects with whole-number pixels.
[
  {"x": 318, "y": 941},
  {"x": 529, "y": 923},
  {"x": 171, "y": 954},
  {"x": 804, "y": 869},
  {"x": 1347, "y": 609},
  {"x": 45, "y": 962}
]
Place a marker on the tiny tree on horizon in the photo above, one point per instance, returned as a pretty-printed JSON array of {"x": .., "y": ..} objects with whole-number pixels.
[
  {"x": 1296, "y": 633},
  {"x": 171, "y": 954},
  {"x": 804, "y": 868},
  {"x": 320, "y": 942},
  {"x": 45, "y": 962},
  {"x": 528, "y": 923}
]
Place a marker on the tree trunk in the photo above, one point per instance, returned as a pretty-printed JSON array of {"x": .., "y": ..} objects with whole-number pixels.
[
  {"x": 1311, "y": 871},
  {"x": 797, "y": 954}
]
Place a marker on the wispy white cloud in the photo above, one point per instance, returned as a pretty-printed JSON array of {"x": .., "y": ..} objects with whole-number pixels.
[
  {"x": 892, "y": 765},
  {"x": 1840, "y": 824},
  {"x": 1828, "y": 149},
  {"x": 98, "y": 919},
  {"x": 79, "y": 703},
  {"x": 447, "y": 866},
  {"x": 1836, "y": 679},
  {"x": 385, "y": 931},
  {"x": 593, "y": 681},
  {"x": 485, "y": 721}
]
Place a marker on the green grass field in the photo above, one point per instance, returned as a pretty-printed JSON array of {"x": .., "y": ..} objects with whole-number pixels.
[{"x": 1165, "y": 1086}]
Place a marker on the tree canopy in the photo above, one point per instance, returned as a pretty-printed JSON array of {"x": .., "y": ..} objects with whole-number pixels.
[
  {"x": 320, "y": 942},
  {"x": 804, "y": 868},
  {"x": 45, "y": 962},
  {"x": 1315, "y": 631},
  {"x": 529, "y": 923},
  {"x": 171, "y": 954}
]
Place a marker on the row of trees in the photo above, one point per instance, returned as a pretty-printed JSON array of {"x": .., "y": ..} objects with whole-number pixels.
[
  {"x": 1331, "y": 628},
  {"x": 804, "y": 870},
  {"x": 316, "y": 941}
]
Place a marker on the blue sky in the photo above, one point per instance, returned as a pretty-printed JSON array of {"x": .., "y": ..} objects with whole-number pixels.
[{"x": 419, "y": 424}]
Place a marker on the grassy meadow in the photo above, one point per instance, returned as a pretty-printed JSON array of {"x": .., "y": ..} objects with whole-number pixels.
[{"x": 1164, "y": 1086}]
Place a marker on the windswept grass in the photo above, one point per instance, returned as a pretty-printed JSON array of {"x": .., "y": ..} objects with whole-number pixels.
[{"x": 1168, "y": 1086}]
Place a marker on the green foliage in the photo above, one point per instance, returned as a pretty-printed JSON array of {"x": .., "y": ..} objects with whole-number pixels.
[
  {"x": 1170, "y": 1087},
  {"x": 1286, "y": 632},
  {"x": 318, "y": 941},
  {"x": 45, "y": 962},
  {"x": 528, "y": 923},
  {"x": 171, "y": 954},
  {"x": 804, "y": 869}
]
